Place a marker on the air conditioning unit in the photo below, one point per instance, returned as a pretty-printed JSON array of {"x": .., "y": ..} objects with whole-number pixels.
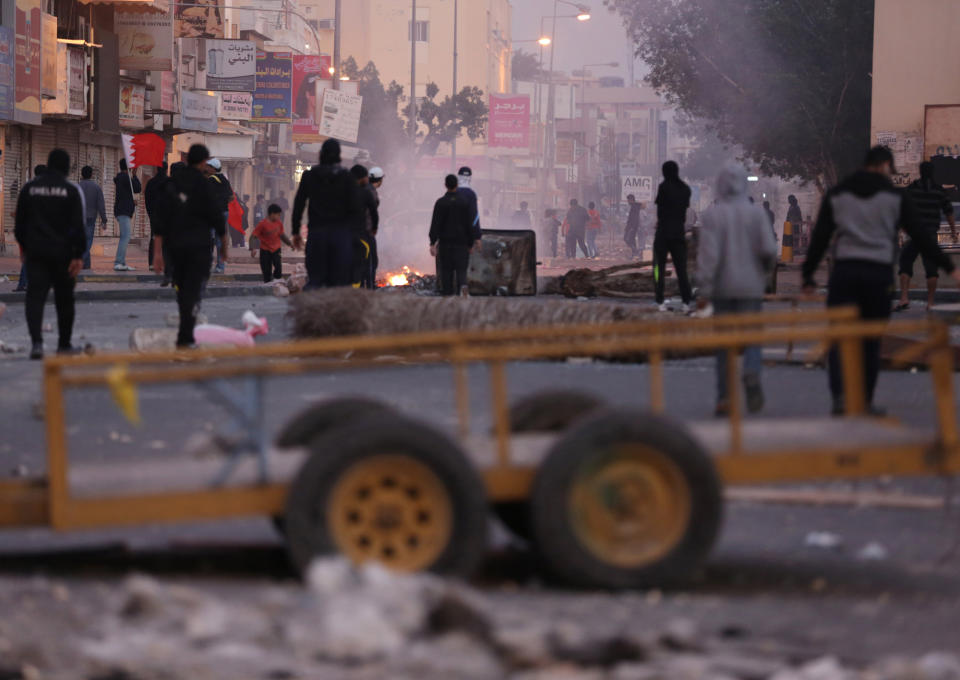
[{"x": 326, "y": 24}]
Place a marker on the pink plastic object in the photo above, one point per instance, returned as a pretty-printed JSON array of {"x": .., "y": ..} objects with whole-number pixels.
[{"x": 210, "y": 335}]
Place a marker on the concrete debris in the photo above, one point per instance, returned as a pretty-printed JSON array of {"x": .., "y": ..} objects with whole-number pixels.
[
  {"x": 823, "y": 540},
  {"x": 873, "y": 552},
  {"x": 354, "y": 623},
  {"x": 280, "y": 290}
]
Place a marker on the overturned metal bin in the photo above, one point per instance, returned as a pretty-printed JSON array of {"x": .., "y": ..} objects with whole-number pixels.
[{"x": 506, "y": 263}]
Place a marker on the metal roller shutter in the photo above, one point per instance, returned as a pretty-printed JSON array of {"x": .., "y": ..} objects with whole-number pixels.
[{"x": 13, "y": 176}]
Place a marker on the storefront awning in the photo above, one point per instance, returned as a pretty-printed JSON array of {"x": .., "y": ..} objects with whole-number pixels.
[{"x": 157, "y": 6}]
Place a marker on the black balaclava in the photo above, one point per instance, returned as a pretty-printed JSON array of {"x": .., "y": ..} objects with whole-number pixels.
[{"x": 330, "y": 152}]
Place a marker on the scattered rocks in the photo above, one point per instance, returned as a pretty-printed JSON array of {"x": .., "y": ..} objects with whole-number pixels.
[
  {"x": 823, "y": 540},
  {"x": 873, "y": 552},
  {"x": 365, "y": 623}
]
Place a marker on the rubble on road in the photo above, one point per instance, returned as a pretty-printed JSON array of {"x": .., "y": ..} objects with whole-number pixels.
[{"x": 367, "y": 623}]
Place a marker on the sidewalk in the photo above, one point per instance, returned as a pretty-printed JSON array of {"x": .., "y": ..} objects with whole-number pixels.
[{"x": 101, "y": 282}]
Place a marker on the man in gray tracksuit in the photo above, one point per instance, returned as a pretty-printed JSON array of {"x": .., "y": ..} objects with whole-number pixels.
[
  {"x": 860, "y": 218},
  {"x": 737, "y": 251}
]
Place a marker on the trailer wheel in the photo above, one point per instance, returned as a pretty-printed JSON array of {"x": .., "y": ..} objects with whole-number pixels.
[
  {"x": 390, "y": 490},
  {"x": 320, "y": 417},
  {"x": 626, "y": 500},
  {"x": 545, "y": 411}
]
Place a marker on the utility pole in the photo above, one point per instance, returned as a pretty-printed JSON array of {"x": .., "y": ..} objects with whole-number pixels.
[
  {"x": 336, "y": 45},
  {"x": 413, "y": 71},
  {"x": 456, "y": 26}
]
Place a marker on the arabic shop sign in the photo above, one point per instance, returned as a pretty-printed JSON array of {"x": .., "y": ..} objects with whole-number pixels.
[
  {"x": 236, "y": 105},
  {"x": 272, "y": 100},
  {"x": 509, "y": 123},
  {"x": 145, "y": 40},
  {"x": 231, "y": 65}
]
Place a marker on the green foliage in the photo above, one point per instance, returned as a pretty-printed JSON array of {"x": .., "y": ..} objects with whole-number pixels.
[
  {"x": 786, "y": 80},
  {"x": 383, "y": 128},
  {"x": 525, "y": 66}
]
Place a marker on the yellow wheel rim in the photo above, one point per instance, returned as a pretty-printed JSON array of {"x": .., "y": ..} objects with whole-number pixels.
[
  {"x": 629, "y": 506},
  {"x": 390, "y": 509}
]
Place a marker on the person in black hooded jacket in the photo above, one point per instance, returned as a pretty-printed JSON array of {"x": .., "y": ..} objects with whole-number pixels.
[
  {"x": 188, "y": 220},
  {"x": 673, "y": 200},
  {"x": 49, "y": 227},
  {"x": 858, "y": 221},
  {"x": 335, "y": 209}
]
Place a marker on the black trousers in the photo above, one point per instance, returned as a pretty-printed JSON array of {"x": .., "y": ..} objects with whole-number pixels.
[
  {"x": 45, "y": 274},
  {"x": 271, "y": 265},
  {"x": 867, "y": 286},
  {"x": 909, "y": 255},
  {"x": 452, "y": 264},
  {"x": 676, "y": 248},
  {"x": 575, "y": 237},
  {"x": 191, "y": 269},
  {"x": 374, "y": 261},
  {"x": 330, "y": 257}
]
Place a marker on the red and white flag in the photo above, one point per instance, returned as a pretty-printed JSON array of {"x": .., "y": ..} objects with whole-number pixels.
[{"x": 143, "y": 149}]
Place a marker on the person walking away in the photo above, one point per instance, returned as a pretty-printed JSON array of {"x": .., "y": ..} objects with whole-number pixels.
[
  {"x": 245, "y": 218},
  {"x": 376, "y": 181},
  {"x": 551, "y": 229},
  {"x": 452, "y": 237},
  {"x": 366, "y": 227},
  {"x": 673, "y": 200},
  {"x": 930, "y": 201},
  {"x": 575, "y": 229},
  {"x": 334, "y": 204},
  {"x": 770, "y": 217},
  {"x": 190, "y": 218},
  {"x": 594, "y": 225},
  {"x": 795, "y": 218},
  {"x": 521, "y": 217},
  {"x": 223, "y": 194},
  {"x": 22, "y": 279},
  {"x": 95, "y": 207},
  {"x": 283, "y": 202},
  {"x": 737, "y": 253},
  {"x": 270, "y": 236},
  {"x": 860, "y": 216},
  {"x": 632, "y": 229},
  {"x": 49, "y": 228},
  {"x": 151, "y": 197},
  {"x": 126, "y": 186},
  {"x": 259, "y": 210}
]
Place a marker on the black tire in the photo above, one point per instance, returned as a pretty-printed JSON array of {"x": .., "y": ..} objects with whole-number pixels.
[
  {"x": 340, "y": 451},
  {"x": 320, "y": 417},
  {"x": 545, "y": 411},
  {"x": 559, "y": 515}
]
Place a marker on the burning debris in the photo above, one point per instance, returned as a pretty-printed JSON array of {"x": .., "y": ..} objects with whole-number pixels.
[{"x": 408, "y": 278}]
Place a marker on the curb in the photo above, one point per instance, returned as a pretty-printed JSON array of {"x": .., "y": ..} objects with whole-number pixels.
[{"x": 150, "y": 294}]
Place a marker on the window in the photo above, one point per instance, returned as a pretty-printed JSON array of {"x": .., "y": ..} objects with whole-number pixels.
[{"x": 421, "y": 30}]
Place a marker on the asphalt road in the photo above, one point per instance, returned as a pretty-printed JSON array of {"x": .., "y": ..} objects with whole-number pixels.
[{"x": 762, "y": 581}]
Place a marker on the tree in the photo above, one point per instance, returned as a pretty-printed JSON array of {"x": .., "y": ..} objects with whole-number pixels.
[
  {"x": 786, "y": 80},
  {"x": 525, "y": 66},
  {"x": 383, "y": 128},
  {"x": 465, "y": 112}
]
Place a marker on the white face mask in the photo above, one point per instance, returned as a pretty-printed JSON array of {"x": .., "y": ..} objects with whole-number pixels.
[{"x": 464, "y": 180}]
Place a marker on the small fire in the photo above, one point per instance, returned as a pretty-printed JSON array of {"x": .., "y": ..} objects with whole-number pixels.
[{"x": 400, "y": 278}]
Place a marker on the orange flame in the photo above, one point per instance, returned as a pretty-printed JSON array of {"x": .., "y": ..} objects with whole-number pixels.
[{"x": 400, "y": 278}]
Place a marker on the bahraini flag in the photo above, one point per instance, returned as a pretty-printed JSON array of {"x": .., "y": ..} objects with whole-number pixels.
[{"x": 144, "y": 149}]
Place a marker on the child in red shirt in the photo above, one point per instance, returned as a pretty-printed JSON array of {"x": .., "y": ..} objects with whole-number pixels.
[{"x": 270, "y": 235}]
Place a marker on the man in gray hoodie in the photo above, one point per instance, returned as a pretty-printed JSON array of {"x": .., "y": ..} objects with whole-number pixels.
[{"x": 736, "y": 254}]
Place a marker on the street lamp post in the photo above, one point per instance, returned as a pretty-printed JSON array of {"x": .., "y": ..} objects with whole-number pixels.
[
  {"x": 413, "y": 71},
  {"x": 583, "y": 111},
  {"x": 583, "y": 14},
  {"x": 456, "y": 25},
  {"x": 337, "y": 33}
]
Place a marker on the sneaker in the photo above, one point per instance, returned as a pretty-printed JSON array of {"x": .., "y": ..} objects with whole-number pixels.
[
  {"x": 685, "y": 308},
  {"x": 36, "y": 351},
  {"x": 662, "y": 307},
  {"x": 754, "y": 392},
  {"x": 128, "y": 268},
  {"x": 119, "y": 267}
]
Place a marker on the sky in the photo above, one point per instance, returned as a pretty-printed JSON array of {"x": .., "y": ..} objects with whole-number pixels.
[{"x": 602, "y": 39}]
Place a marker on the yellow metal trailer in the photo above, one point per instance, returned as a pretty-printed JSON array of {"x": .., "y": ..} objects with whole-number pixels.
[{"x": 609, "y": 497}]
